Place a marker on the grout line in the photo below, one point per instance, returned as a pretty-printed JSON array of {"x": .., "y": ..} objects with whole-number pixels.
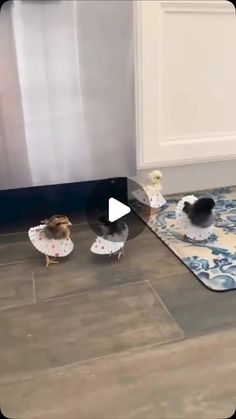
[
  {"x": 34, "y": 288},
  {"x": 9, "y": 264},
  {"x": 62, "y": 368},
  {"x": 16, "y": 306},
  {"x": 164, "y": 306},
  {"x": 18, "y": 262},
  {"x": 128, "y": 351},
  {"x": 26, "y": 376},
  {"x": 79, "y": 224},
  {"x": 93, "y": 290},
  {"x": 13, "y": 234},
  {"x": 64, "y": 297}
]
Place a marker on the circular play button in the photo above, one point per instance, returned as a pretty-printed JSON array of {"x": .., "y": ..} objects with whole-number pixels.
[
  {"x": 111, "y": 210},
  {"x": 116, "y": 210}
]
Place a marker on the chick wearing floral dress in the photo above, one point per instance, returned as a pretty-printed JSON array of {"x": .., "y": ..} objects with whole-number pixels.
[
  {"x": 196, "y": 217},
  {"x": 112, "y": 237},
  {"x": 150, "y": 193},
  {"x": 52, "y": 238}
]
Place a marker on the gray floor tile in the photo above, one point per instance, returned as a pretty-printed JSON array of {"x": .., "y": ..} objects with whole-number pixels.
[
  {"x": 190, "y": 379},
  {"x": 106, "y": 316},
  {"x": 196, "y": 309},
  {"x": 16, "y": 248},
  {"x": 82, "y": 327},
  {"x": 16, "y": 286}
]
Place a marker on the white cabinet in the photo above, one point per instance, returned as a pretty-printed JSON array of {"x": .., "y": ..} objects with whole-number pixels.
[{"x": 185, "y": 82}]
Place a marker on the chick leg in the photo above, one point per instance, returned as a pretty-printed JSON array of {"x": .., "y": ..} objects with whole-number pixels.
[
  {"x": 121, "y": 253},
  {"x": 50, "y": 261}
]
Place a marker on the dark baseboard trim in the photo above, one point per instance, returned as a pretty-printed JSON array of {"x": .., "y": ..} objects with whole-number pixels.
[{"x": 35, "y": 204}]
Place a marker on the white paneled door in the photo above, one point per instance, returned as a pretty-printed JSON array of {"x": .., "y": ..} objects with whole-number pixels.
[{"x": 186, "y": 82}]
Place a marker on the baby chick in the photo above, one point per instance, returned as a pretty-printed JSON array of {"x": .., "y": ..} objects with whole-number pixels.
[
  {"x": 52, "y": 238},
  {"x": 154, "y": 181},
  {"x": 201, "y": 212},
  {"x": 150, "y": 194},
  {"x": 112, "y": 237},
  {"x": 108, "y": 228},
  {"x": 57, "y": 228}
]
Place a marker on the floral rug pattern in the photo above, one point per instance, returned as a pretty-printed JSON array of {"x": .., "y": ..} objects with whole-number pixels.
[{"x": 212, "y": 261}]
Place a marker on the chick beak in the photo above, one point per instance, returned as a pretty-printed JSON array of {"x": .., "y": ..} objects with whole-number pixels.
[{"x": 69, "y": 223}]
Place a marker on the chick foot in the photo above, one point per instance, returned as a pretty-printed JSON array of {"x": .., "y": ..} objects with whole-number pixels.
[
  {"x": 121, "y": 253},
  {"x": 50, "y": 261}
]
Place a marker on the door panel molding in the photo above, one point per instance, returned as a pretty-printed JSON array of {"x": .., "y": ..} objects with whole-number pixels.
[{"x": 163, "y": 31}]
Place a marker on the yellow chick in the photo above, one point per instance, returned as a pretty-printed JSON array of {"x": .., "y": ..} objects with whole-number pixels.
[
  {"x": 154, "y": 184},
  {"x": 150, "y": 194}
]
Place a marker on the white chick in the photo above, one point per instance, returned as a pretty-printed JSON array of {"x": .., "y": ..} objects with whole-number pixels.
[
  {"x": 150, "y": 194},
  {"x": 154, "y": 184}
]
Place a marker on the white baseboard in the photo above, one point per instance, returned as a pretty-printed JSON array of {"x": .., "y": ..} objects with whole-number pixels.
[{"x": 194, "y": 177}]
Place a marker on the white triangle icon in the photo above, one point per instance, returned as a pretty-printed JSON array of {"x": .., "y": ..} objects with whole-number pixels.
[{"x": 116, "y": 210}]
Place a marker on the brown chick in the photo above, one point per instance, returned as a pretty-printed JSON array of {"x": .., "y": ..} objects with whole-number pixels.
[{"x": 57, "y": 228}]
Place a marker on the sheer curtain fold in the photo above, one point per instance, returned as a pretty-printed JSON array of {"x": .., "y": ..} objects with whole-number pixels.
[
  {"x": 14, "y": 162},
  {"x": 73, "y": 81}
]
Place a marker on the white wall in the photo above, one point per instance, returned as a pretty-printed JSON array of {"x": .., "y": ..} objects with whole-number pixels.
[
  {"x": 194, "y": 177},
  {"x": 186, "y": 92}
]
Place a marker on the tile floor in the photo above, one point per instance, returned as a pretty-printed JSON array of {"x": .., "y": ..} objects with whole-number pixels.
[{"x": 94, "y": 338}]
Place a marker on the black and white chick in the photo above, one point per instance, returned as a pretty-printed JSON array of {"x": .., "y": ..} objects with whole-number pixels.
[
  {"x": 195, "y": 217},
  {"x": 112, "y": 237},
  {"x": 200, "y": 212}
]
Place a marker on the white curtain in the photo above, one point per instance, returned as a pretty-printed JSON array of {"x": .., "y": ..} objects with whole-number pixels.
[{"x": 74, "y": 69}]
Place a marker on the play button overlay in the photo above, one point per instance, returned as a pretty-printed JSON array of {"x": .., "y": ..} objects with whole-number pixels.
[
  {"x": 117, "y": 210},
  {"x": 111, "y": 198}
]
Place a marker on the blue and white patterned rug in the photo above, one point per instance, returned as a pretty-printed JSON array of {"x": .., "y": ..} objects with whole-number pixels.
[{"x": 212, "y": 261}]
